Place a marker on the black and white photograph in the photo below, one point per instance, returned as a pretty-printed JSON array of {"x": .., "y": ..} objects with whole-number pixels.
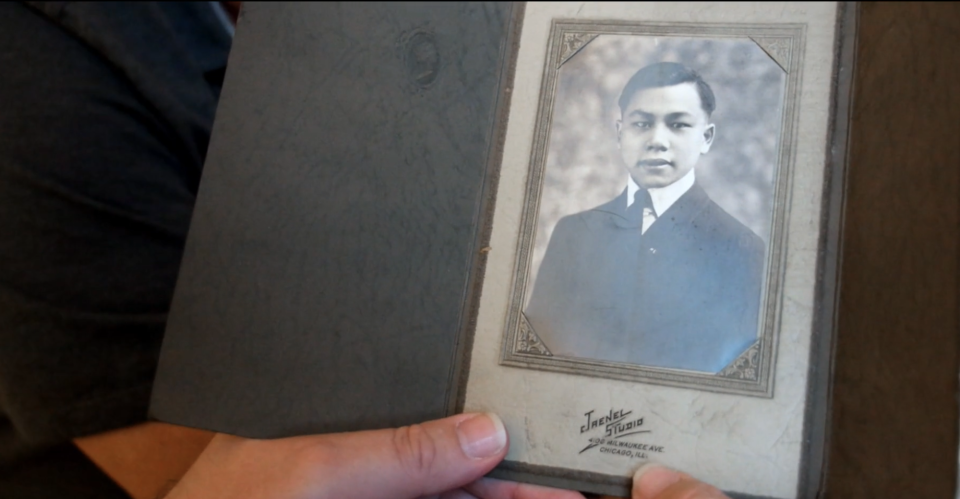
[
  {"x": 655, "y": 210},
  {"x": 661, "y": 272}
]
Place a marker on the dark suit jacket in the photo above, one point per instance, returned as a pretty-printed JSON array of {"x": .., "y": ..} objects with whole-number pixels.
[{"x": 683, "y": 295}]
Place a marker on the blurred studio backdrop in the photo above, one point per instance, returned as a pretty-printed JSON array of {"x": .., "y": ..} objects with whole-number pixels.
[{"x": 583, "y": 165}]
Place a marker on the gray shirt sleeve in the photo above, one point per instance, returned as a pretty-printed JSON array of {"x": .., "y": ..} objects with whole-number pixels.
[{"x": 96, "y": 192}]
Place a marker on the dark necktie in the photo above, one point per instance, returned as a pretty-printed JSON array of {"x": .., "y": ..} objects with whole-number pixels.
[{"x": 642, "y": 205}]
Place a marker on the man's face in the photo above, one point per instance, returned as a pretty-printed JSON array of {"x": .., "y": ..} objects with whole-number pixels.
[{"x": 662, "y": 133}]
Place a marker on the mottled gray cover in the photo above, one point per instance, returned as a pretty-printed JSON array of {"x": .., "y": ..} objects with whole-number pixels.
[{"x": 333, "y": 255}]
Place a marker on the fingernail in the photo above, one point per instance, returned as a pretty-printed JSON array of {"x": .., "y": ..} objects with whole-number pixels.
[
  {"x": 482, "y": 436},
  {"x": 652, "y": 479}
]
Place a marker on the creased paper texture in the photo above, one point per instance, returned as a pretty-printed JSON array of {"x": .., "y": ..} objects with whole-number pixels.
[{"x": 607, "y": 426}]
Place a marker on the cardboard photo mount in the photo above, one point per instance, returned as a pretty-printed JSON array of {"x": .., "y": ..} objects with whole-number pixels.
[{"x": 356, "y": 238}]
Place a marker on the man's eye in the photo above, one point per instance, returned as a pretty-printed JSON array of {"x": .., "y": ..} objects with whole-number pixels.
[
  {"x": 679, "y": 125},
  {"x": 643, "y": 124}
]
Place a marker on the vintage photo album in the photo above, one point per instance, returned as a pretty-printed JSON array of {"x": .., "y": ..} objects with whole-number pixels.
[{"x": 616, "y": 225}]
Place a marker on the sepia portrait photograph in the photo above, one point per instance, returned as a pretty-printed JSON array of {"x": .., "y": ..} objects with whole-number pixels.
[
  {"x": 654, "y": 195},
  {"x": 662, "y": 272}
]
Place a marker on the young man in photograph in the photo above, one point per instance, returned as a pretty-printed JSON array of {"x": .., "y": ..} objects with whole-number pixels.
[{"x": 660, "y": 275}]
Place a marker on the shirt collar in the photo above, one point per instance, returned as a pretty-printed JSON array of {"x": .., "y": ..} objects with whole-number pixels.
[{"x": 662, "y": 197}]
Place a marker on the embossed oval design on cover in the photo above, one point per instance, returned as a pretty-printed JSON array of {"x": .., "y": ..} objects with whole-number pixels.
[{"x": 421, "y": 57}]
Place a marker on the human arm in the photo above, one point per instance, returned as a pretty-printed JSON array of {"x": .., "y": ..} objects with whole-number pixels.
[
  {"x": 151, "y": 459},
  {"x": 146, "y": 460},
  {"x": 447, "y": 457},
  {"x": 96, "y": 191}
]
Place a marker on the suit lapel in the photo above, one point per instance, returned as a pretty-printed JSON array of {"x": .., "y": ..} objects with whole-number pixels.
[
  {"x": 681, "y": 214},
  {"x": 617, "y": 208}
]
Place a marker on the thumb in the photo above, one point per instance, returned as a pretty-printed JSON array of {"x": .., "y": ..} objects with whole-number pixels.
[
  {"x": 417, "y": 460},
  {"x": 653, "y": 481},
  {"x": 408, "y": 462}
]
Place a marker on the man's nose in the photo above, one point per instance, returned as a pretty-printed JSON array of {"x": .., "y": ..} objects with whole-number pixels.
[{"x": 657, "y": 140}]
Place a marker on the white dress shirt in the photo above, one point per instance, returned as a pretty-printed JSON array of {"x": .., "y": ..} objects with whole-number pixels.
[{"x": 662, "y": 197}]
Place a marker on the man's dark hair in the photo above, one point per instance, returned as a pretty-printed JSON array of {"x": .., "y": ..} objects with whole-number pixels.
[{"x": 666, "y": 74}]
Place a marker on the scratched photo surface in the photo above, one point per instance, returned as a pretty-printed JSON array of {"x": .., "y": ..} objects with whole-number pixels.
[{"x": 584, "y": 168}]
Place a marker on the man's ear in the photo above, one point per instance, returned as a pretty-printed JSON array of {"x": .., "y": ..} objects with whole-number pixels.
[
  {"x": 708, "y": 133},
  {"x": 619, "y": 124}
]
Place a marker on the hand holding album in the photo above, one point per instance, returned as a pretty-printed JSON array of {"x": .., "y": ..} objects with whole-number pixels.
[
  {"x": 445, "y": 458},
  {"x": 612, "y": 224}
]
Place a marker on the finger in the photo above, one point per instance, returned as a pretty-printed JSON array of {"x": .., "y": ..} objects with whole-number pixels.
[
  {"x": 413, "y": 461},
  {"x": 457, "y": 494},
  {"x": 491, "y": 488},
  {"x": 653, "y": 481}
]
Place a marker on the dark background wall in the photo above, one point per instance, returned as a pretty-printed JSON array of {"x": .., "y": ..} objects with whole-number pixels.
[{"x": 895, "y": 418}]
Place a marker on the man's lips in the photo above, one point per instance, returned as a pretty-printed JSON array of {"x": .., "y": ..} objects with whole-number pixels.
[{"x": 653, "y": 163}]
